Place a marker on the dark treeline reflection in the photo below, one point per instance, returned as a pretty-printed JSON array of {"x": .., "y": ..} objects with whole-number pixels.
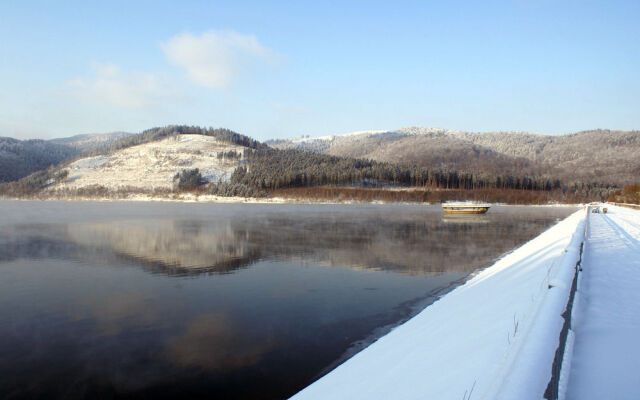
[
  {"x": 205, "y": 301},
  {"x": 395, "y": 241}
]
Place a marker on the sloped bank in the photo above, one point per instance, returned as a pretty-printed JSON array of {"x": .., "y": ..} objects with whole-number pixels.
[{"x": 494, "y": 337}]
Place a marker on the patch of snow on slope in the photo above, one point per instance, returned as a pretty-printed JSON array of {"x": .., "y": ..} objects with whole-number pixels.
[
  {"x": 91, "y": 162},
  {"x": 153, "y": 165}
]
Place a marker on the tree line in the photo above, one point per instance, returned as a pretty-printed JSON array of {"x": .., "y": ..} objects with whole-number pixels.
[
  {"x": 630, "y": 195},
  {"x": 271, "y": 169},
  {"x": 155, "y": 134}
]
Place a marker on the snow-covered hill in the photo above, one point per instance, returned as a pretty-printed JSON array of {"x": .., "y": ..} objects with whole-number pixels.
[{"x": 153, "y": 165}]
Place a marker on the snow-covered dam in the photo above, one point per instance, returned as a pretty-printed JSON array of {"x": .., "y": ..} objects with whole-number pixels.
[
  {"x": 605, "y": 359},
  {"x": 495, "y": 337}
]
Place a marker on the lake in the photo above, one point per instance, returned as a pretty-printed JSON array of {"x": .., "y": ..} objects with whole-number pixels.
[{"x": 230, "y": 301}]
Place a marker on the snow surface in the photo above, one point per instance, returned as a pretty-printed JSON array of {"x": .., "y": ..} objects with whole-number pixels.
[
  {"x": 492, "y": 338},
  {"x": 606, "y": 358}
]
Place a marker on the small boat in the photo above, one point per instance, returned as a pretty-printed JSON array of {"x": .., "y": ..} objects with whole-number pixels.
[{"x": 465, "y": 208}]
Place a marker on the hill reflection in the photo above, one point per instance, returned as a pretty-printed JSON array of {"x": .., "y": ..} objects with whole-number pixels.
[
  {"x": 171, "y": 247},
  {"x": 398, "y": 242}
]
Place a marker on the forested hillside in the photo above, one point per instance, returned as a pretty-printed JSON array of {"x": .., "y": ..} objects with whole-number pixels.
[
  {"x": 598, "y": 155},
  {"x": 19, "y": 158},
  {"x": 274, "y": 170},
  {"x": 594, "y": 156}
]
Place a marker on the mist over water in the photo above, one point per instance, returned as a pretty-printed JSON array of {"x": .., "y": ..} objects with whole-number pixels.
[{"x": 165, "y": 300}]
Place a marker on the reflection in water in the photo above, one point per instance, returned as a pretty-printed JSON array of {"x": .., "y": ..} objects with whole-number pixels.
[
  {"x": 465, "y": 219},
  {"x": 204, "y": 301},
  {"x": 171, "y": 246},
  {"x": 412, "y": 244}
]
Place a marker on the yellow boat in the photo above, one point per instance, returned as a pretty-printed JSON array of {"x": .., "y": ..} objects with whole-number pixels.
[{"x": 465, "y": 208}]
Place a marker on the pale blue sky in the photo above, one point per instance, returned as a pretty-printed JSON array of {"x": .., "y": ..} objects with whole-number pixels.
[{"x": 287, "y": 69}]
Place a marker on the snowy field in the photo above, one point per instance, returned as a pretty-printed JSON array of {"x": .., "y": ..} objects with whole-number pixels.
[
  {"x": 492, "y": 338},
  {"x": 153, "y": 165},
  {"x": 606, "y": 356}
]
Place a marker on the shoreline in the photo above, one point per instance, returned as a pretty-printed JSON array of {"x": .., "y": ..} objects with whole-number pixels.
[{"x": 213, "y": 199}]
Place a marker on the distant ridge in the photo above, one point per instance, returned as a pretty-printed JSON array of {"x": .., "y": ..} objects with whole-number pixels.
[
  {"x": 593, "y": 156},
  {"x": 19, "y": 158},
  {"x": 88, "y": 142}
]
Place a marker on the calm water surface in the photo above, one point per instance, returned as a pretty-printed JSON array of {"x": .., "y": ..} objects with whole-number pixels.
[{"x": 165, "y": 300}]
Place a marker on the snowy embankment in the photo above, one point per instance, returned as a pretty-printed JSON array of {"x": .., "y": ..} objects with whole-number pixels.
[{"x": 492, "y": 338}]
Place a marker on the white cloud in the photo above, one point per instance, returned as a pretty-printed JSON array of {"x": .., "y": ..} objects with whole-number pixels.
[
  {"x": 215, "y": 59},
  {"x": 108, "y": 84}
]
